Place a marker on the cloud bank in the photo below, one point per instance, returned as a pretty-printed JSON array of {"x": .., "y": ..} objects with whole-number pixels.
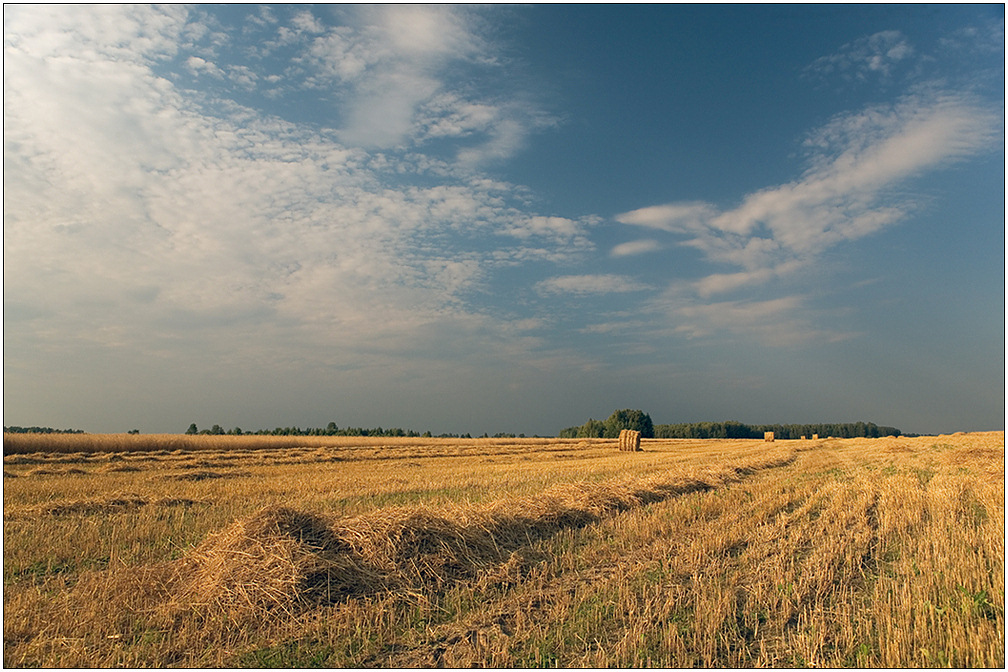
[{"x": 135, "y": 206}]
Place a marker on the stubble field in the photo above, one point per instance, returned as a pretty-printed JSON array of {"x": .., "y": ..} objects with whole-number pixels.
[{"x": 298, "y": 551}]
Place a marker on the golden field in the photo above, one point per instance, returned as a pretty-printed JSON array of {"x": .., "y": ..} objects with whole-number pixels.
[{"x": 201, "y": 551}]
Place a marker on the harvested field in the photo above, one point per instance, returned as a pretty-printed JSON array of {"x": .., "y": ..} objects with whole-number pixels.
[{"x": 423, "y": 552}]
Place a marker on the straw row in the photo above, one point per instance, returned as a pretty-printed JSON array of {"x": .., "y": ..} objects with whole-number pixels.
[{"x": 280, "y": 557}]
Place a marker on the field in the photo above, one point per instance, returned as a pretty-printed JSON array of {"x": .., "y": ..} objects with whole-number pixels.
[{"x": 159, "y": 551}]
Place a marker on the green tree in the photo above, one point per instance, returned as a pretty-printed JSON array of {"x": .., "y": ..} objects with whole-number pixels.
[
  {"x": 629, "y": 419},
  {"x": 192, "y": 429},
  {"x": 593, "y": 429}
]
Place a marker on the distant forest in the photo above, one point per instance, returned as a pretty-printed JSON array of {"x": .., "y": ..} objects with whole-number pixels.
[
  {"x": 40, "y": 430},
  {"x": 738, "y": 430},
  {"x": 640, "y": 421},
  {"x": 333, "y": 430}
]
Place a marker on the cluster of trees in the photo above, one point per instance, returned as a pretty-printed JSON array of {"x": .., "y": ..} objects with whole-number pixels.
[
  {"x": 641, "y": 421},
  {"x": 333, "y": 430},
  {"x": 738, "y": 430},
  {"x": 610, "y": 429},
  {"x": 40, "y": 430}
]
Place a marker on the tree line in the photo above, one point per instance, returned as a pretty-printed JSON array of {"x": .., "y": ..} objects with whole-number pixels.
[
  {"x": 333, "y": 430},
  {"x": 593, "y": 429},
  {"x": 641, "y": 422},
  {"x": 738, "y": 430}
]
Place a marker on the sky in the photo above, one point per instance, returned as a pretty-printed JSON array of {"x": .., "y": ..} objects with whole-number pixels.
[{"x": 503, "y": 218}]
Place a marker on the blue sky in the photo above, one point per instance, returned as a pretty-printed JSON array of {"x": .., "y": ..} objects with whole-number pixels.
[{"x": 503, "y": 218}]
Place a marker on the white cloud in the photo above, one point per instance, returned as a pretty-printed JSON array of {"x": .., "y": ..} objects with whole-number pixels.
[
  {"x": 847, "y": 194},
  {"x": 673, "y": 217},
  {"x": 135, "y": 219},
  {"x": 198, "y": 66},
  {"x": 388, "y": 68},
  {"x": 635, "y": 247},
  {"x": 558, "y": 227},
  {"x": 449, "y": 115},
  {"x": 589, "y": 284},
  {"x": 304, "y": 21},
  {"x": 390, "y": 60},
  {"x": 381, "y": 112},
  {"x": 243, "y": 76},
  {"x": 424, "y": 31},
  {"x": 873, "y": 56},
  {"x": 720, "y": 283}
]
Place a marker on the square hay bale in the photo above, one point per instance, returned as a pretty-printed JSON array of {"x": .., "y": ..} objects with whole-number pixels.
[
  {"x": 815, "y": 437},
  {"x": 768, "y": 437}
]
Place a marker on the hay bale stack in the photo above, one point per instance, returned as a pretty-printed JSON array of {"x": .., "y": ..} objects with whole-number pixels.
[
  {"x": 629, "y": 439},
  {"x": 768, "y": 437}
]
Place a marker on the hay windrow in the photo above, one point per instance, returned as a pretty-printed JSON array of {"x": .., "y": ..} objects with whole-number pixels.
[
  {"x": 207, "y": 475},
  {"x": 277, "y": 558},
  {"x": 42, "y": 471},
  {"x": 118, "y": 503},
  {"x": 281, "y": 558},
  {"x": 113, "y": 468}
]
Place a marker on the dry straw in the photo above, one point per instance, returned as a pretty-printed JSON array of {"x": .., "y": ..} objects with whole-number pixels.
[
  {"x": 629, "y": 439},
  {"x": 281, "y": 560},
  {"x": 117, "y": 503}
]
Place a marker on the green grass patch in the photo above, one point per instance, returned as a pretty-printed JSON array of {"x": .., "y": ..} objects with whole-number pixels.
[{"x": 292, "y": 654}]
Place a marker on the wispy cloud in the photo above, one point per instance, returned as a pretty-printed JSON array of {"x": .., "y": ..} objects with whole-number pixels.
[
  {"x": 589, "y": 284},
  {"x": 388, "y": 67},
  {"x": 783, "y": 321},
  {"x": 856, "y": 161},
  {"x": 635, "y": 247},
  {"x": 875, "y": 56}
]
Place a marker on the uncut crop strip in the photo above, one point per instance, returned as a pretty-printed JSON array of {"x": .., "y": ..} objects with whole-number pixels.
[{"x": 19, "y": 444}]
